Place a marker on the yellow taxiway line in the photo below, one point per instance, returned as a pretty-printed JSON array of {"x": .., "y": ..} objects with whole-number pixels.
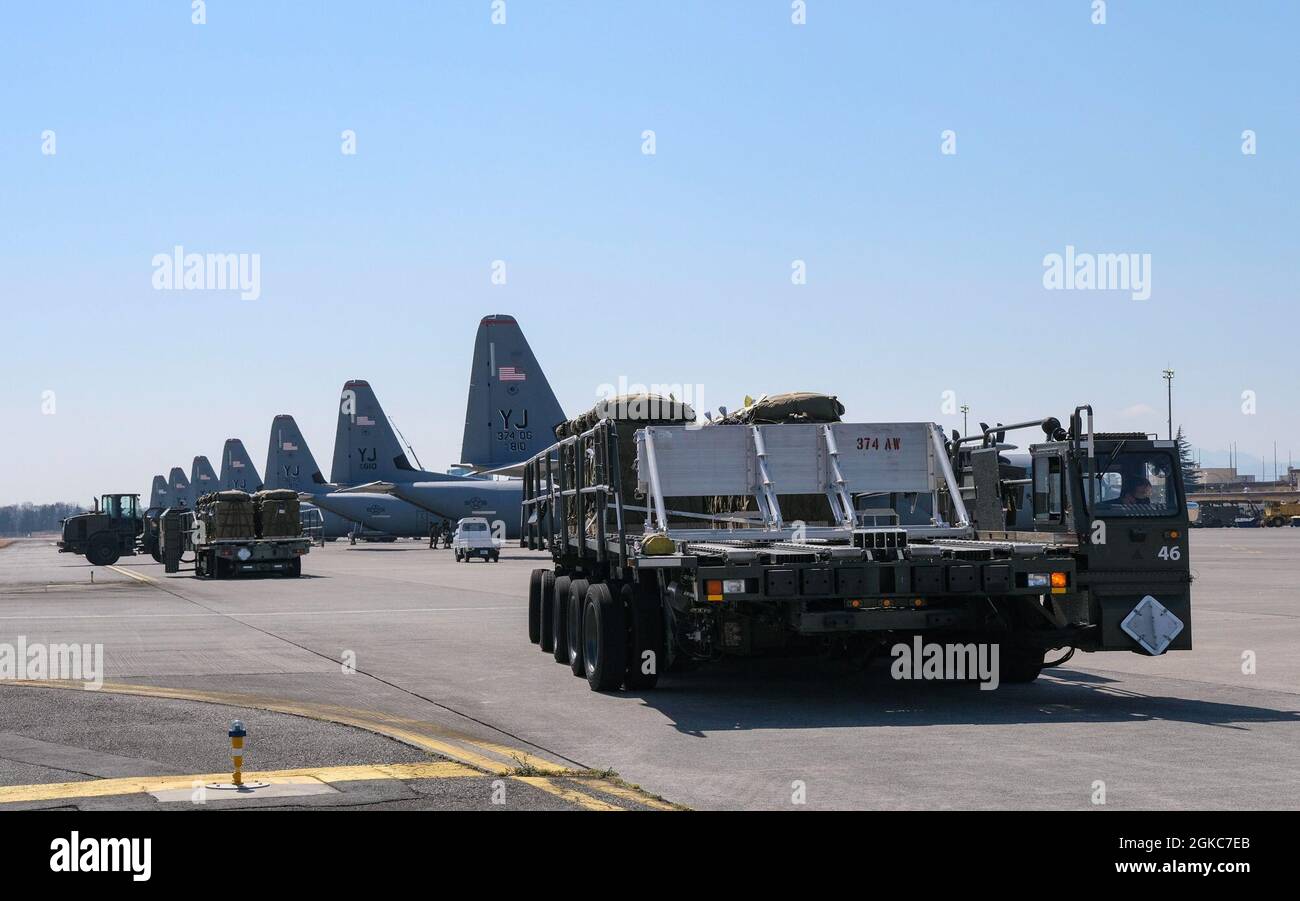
[
  {"x": 130, "y": 574},
  {"x": 134, "y": 785},
  {"x": 573, "y": 796}
]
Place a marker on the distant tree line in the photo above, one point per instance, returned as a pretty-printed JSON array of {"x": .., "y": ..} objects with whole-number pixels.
[{"x": 20, "y": 519}]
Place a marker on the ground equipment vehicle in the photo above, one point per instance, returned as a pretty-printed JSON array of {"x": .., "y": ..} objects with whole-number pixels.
[
  {"x": 1104, "y": 567},
  {"x": 473, "y": 538},
  {"x": 114, "y": 529},
  {"x": 1280, "y": 513}
]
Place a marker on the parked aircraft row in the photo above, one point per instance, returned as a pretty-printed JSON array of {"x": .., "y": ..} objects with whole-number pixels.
[{"x": 510, "y": 414}]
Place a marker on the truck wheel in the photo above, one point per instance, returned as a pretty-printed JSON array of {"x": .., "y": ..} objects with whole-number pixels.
[
  {"x": 577, "y": 604},
  {"x": 559, "y": 588},
  {"x": 1018, "y": 665},
  {"x": 604, "y": 639},
  {"x": 561, "y": 621},
  {"x": 102, "y": 550},
  {"x": 535, "y": 605},
  {"x": 647, "y": 621}
]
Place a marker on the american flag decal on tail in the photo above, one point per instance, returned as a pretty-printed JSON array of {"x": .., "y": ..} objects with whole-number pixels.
[
  {"x": 511, "y": 374},
  {"x": 365, "y": 420},
  {"x": 289, "y": 446}
]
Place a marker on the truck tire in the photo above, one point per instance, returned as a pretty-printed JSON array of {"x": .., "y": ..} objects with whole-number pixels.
[
  {"x": 604, "y": 634},
  {"x": 102, "y": 550},
  {"x": 561, "y": 621},
  {"x": 577, "y": 604},
  {"x": 1019, "y": 665},
  {"x": 535, "y": 605},
  {"x": 647, "y": 621},
  {"x": 559, "y": 588}
]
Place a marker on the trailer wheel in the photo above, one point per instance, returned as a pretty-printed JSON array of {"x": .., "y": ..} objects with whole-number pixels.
[
  {"x": 559, "y": 589},
  {"x": 561, "y": 621},
  {"x": 535, "y": 605},
  {"x": 604, "y": 645},
  {"x": 102, "y": 550},
  {"x": 1018, "y": 665},
  {"x": 577, "y": 604},
  {"x": 647, "y": 621}
]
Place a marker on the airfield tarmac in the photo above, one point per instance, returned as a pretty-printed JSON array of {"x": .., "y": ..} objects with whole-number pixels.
[{"x": 390, "y": 676}]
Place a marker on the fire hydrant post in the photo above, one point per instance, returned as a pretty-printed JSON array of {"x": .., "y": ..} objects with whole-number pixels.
[{"x": 237, "y": 734}]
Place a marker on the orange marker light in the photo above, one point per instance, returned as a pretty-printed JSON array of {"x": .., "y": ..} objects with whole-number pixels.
[
  {"x": 713, "y": 589},
  {"x": 1058, "y": 580}
]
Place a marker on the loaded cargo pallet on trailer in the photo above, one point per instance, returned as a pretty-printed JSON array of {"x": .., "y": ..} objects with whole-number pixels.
[{"x": 640, "y": 585}]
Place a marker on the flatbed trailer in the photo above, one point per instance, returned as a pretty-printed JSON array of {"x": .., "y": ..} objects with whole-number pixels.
[
  {"x": 181, "y": 532},
  {"x": 643, "y": 582},
  {"x": 233, "y": 557}
]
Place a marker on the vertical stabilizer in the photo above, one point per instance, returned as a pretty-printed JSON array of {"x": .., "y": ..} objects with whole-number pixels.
[
  {"x": 366, "y": 448},
  {"x": 511, "y": 412},
  {"x": 181, "y": 495},
  {"x": 237, "y": 469},
  {"x": 203, "y": 478},
  {"x": 289, "y": 463},
  {"x": 159, "y": 495}
]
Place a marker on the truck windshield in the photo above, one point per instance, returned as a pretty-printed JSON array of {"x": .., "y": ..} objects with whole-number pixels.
[
  {"x": 473, "y": 527},
  {"x": 1133, "y": 483}
]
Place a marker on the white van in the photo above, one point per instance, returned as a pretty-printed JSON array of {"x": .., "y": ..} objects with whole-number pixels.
[{"x": 473, "y": 538}]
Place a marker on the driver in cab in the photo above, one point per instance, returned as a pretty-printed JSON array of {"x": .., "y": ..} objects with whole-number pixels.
[{"x": 1136, "y": 493}]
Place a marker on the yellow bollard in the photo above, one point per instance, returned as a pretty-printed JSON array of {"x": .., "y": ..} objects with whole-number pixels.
[{"x": 237, "y": 735}]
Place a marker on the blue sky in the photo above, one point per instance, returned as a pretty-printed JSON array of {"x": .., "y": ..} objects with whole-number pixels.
[{"x": 774, "y": 142}]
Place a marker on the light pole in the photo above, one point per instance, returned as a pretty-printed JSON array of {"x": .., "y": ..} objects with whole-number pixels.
[
  {"x": 964, "y": 410},
  {"x": 1169, "y": 379}
]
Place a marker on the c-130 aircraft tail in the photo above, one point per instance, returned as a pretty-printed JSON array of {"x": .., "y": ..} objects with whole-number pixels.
[{"x": 511, "y": 412}]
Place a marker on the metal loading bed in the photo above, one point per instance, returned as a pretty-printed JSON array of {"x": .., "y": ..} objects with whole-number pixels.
[{"x": 574, "y": 497}]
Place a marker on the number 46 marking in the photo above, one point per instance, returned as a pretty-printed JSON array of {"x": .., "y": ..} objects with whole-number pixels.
[{"x": 1170, "y": 553}]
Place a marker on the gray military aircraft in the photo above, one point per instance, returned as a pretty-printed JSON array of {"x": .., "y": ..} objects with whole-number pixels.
[
  {"x": 511, "y": 413},
  {"x": 237, "y": 469},
  {"x": 290, "y": 464}
]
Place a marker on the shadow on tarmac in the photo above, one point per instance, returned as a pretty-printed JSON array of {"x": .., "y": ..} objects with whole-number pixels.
[{"x": 792, "y": 694}]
